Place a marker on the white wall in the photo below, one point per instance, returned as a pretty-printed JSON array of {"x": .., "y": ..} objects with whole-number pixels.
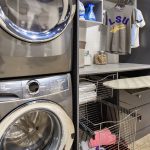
[
  {"x": 95, "y": 41},
  {"x": 92, "y": 37}
]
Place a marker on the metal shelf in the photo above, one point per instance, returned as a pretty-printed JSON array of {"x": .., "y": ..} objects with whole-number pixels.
[{"x": 91, "y": 1}]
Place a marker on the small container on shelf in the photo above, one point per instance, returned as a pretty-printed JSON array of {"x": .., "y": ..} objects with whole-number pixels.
[
  {"x": 100, "y": 58},
  {"x": 87, "y": 58}
]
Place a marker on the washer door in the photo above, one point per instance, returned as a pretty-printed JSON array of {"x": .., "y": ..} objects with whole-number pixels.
[
  {"x": 36, "y": 126},
  {"x": 36, "y": 20}
]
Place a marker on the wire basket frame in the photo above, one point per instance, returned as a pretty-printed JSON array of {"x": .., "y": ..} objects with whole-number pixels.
[
  {"x": 102, "y": 91},
  {"x": 96, "y": 117}
]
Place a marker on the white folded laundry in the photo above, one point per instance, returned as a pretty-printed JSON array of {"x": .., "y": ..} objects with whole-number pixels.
[
  {"x": 86, "y": 86},
  {"x": 87, "y": 97},
  {"x": 87, "y": 94}
]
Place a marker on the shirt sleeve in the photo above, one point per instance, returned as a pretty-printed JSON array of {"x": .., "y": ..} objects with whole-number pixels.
[
  {"x": 140, "y": 22},
  {"x": 133, "y": 16}
]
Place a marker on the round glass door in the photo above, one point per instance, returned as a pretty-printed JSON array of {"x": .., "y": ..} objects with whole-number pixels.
[
  {"x": 34, "y": 130},
  {"x": 35, "y": 20},
  {"x": 36, "y": 126}
]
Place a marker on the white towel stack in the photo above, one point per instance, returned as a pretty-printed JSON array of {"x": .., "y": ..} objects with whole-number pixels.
[{"x": 87, "y": 92}]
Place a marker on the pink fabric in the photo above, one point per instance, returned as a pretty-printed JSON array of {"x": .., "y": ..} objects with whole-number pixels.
[{"x": 103, "y": 137}]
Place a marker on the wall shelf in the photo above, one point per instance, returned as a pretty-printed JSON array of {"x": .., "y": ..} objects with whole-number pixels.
[
  {"x": 88, "y": 23},
  {"x": 111, "y": 68},
  {"x": 91, "y": 1}
]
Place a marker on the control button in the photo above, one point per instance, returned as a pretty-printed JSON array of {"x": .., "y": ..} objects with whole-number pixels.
[{"x": 33, "y": 87}]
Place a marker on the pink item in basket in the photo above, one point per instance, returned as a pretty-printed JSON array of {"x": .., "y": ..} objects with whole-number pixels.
[{"x": 103, "y": 137}]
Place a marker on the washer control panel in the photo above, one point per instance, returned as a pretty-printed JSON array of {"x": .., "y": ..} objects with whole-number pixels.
[
  {"x": 35, "y": 87},
  {"x": 45, "y": 86}
]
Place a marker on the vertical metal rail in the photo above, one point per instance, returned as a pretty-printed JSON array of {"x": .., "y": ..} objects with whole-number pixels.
[{"x": 75, "y": 78}]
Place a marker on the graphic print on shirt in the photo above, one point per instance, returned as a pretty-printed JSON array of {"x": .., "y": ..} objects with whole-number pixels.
[{"x": 120, "y": 23}]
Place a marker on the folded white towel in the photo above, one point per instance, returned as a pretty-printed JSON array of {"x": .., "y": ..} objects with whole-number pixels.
[
  {"x": 87, "y": 87},
  {"x": 87, "y": 97}
]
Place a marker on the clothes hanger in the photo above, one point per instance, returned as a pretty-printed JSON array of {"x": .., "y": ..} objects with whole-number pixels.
[{"x": 120, "y": 3}]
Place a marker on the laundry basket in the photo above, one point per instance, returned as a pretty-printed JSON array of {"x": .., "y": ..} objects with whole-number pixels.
[
  {"x": 107, "y": 126},
  {"x": 102, "y": 91}
]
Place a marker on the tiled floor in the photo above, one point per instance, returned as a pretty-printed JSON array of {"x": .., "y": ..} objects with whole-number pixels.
[{"x": 143, "y": 144}]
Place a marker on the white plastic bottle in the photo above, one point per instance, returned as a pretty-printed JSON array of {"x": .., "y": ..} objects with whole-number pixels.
[{"x": 87, "y": 58}]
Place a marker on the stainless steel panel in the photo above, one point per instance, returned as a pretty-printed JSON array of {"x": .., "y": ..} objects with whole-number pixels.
[
  {"x": 61, "y": 96},
  {"x": 18, "y": 58},
  {"x": 13, "y": 47},
  {"x": 18, "y": 66},
  {"x": 11, "y": 88}
]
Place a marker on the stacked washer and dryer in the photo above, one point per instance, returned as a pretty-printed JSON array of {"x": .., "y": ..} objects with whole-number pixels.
[{"x": 36, "y": 44}]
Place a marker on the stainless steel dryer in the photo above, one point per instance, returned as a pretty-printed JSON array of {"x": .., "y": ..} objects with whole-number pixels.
[
  {"x": 36, "y": 114},
  {"x": 35, "y": 37}
]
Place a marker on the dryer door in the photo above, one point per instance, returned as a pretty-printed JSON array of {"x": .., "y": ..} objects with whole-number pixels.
[
  {"x": 39, "y": 125},
  {"x": 36, "y": 20}
]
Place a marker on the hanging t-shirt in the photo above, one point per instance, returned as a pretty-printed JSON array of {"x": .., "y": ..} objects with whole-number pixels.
[
  {"x": 140, "y": 22},
  {"x": 119, "y": 22}
]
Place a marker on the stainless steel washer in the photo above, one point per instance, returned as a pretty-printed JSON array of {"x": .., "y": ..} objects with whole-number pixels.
[
  {"x": 36, "y": 37},
  {"x": 36, "y": 114}
]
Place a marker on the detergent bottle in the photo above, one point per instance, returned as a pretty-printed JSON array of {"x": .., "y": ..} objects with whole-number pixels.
[{"x": 89, "y": 15}]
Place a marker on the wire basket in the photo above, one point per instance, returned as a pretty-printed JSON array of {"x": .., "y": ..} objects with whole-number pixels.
[
  {"x": 102, "y": 91},
  {"x": 108, "y": 126}
]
